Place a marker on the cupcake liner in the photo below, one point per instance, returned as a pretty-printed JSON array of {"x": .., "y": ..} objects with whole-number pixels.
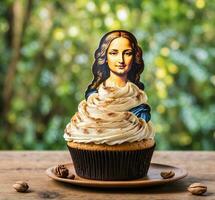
[{"x": 111, "y": 165}]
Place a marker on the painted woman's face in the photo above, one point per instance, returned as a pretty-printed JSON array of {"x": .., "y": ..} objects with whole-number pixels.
[{"x": 120, "y": 56}]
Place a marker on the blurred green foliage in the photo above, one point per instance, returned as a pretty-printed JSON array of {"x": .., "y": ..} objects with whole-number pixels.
[{"x": 47, "y": 50}]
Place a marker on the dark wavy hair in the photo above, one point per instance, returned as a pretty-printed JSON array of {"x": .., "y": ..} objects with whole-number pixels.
[{"x": 100, "y": 67}]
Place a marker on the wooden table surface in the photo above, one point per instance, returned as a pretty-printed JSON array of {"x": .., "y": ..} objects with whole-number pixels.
[{"x": 30, "y": 166}]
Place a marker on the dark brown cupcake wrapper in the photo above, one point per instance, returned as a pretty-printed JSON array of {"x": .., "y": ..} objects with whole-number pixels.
[{"x": 111, "y": 165}]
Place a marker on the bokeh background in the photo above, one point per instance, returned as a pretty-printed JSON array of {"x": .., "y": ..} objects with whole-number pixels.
[{"x": 46, "y": 54}]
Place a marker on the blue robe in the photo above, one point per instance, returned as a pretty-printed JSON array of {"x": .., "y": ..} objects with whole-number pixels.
[{"x": 142, "y": 111}]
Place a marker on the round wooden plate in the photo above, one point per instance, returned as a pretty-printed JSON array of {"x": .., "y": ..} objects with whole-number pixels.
[{"x": 153, "y": 177}]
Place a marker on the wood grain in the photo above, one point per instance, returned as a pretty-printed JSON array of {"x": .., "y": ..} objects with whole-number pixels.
[{"x": 30, "y": 166}]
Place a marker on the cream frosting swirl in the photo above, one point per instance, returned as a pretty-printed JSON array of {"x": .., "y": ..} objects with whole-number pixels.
[{"x": 104, "y": 117}]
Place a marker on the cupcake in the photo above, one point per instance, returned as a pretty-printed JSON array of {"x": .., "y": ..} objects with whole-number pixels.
[{"x": 111, "y": 136}]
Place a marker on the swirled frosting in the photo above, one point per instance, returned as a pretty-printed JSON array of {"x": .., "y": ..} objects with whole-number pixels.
[{"x": 104, "y": 117}]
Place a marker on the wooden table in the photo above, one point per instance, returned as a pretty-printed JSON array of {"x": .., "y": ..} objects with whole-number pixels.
[{"x": 30, "y": 166}]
